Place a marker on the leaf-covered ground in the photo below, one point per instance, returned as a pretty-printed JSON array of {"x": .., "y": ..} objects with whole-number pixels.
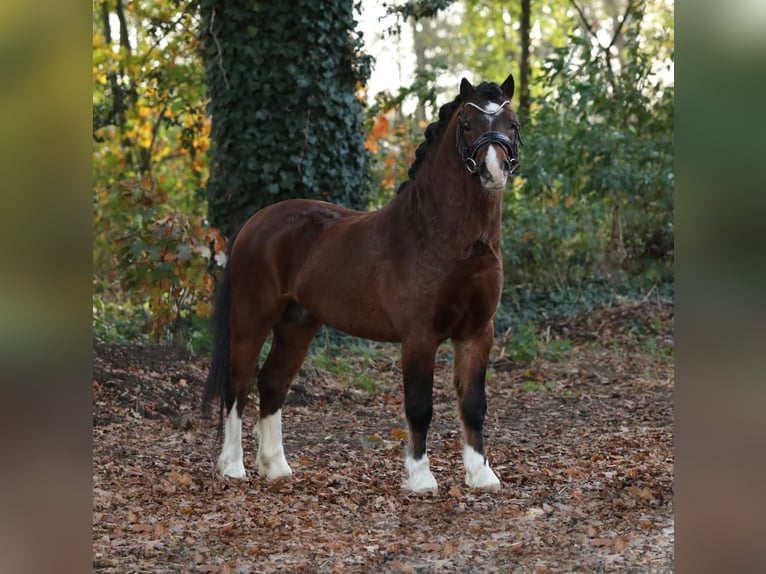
[{"x": 582, "y": 439}]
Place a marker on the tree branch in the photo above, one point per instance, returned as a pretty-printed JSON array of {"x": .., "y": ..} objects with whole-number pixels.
[
  {"x": 220, "y": 51},
  {"x": 624, "y": 18},
  {"x": 584, "y": 19}
]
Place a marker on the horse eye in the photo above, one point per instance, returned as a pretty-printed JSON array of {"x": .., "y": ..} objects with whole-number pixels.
[{"x": 466, "y": 127}]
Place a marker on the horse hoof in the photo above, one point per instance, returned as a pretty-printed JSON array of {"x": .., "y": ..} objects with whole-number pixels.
[
  {"x": 422, "y": 486},
  {"x": 419, "y": 477},
  {"x": 484, "y": 479},
  {"x": 275, "y": 476},
  {"x": 233, "y": 470},
  {"x": 274, "y": 470}
]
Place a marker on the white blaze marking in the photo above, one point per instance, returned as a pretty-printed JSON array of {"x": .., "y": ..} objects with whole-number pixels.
[
  {"x": 494, "y": 167},
  {"x": 478, "y": 474},
  {"x": 230, "y": 462},
  {"x": 419, "y": 477},
  {"x": 271, "y": 453}
]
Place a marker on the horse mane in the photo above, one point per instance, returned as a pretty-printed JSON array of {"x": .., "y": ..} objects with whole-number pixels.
[{"x": 434, "y": 131}]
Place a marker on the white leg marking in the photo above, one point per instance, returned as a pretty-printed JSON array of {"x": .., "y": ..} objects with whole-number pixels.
[
  {"x": 419, "y": 477},
  {"x": 230, "y": 462},
  {"x": 477, "y": 471},
  {"x": 271, "y": 453}
]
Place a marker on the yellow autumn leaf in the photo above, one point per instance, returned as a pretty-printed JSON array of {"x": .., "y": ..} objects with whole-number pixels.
[
  {"x": 145, "y": 135},
  {"x": 202, "y": 309}
]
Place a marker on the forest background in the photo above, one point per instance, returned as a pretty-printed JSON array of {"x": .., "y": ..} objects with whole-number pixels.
[{"x": 588, "y": 219}]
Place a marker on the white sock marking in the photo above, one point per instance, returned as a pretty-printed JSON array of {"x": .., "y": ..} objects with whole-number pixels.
[
  {"x": 419, "y": 477},
  {"x": 477, "y": 471},
  {"x": 230, "y": 462},
  {"x": 271, "y": 453}
]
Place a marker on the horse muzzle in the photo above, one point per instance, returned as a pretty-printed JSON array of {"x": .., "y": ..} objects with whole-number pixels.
[
  {"x": 495, "y": 170},
  {"x": 500, "y": 157}
]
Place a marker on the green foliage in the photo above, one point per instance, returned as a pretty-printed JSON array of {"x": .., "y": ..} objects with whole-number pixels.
[
  {"x": 161, "y": 261},
  {"x": 148, "y": 102},
  {"x": 119, "y": 322},
  {"x": 417, "y": 9},
  {"x": 356, "y": 363},
  {"x": 537, "y": 387},
  {"x": 151, "y": 247},
  {"x": 526, "y": 345},
  {"x": 596, "y": 195},
  {"x": 282, "y": 79},
  {"x": 594, "y": 202}
]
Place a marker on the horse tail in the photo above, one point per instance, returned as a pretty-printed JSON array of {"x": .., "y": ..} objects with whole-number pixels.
[{"x": 219, "y": 376}]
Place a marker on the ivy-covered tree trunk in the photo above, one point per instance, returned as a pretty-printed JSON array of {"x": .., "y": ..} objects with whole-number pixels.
[{"x": 282, "y": 79}]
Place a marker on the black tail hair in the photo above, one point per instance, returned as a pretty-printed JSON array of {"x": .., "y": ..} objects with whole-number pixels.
[{"x": 219, "y": 376}]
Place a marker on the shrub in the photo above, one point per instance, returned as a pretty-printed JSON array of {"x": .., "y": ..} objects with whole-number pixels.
[{"x": 157, "y": 260}]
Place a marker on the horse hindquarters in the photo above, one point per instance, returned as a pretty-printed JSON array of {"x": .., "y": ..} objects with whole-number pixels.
[{"x": 254, "y": 308}]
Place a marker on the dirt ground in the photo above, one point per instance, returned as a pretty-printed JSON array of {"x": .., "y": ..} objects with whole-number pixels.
[{"x": 581, "y": 440}]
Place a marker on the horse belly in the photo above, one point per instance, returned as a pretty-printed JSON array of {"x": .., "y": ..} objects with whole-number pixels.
[
  {"x": 356, "y": 318},
  {"x": 345, "y": 300}
]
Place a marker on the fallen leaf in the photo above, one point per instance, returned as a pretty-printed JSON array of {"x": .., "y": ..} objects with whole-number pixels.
[{"x": 455, "y": 492}]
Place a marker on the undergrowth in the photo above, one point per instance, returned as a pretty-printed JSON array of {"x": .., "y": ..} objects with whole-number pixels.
[{"x": 521, "y": 334}]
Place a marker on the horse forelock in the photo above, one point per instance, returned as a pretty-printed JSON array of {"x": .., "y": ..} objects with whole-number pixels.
[{"x": 489, "y": 91}]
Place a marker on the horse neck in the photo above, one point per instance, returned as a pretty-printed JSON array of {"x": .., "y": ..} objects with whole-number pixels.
[{"x": 453, "y": 208}]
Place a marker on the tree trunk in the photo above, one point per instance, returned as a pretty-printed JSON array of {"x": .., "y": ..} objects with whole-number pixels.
[
  {"x": 286, "y": 122},
  {"x": 524, "y": 63}
]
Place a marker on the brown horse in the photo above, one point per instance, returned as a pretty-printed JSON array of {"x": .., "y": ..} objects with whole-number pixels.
[{"x": 423, "y": 269}]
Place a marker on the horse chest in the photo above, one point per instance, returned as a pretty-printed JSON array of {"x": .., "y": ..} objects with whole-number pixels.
[{"x": 468, "y": 297}]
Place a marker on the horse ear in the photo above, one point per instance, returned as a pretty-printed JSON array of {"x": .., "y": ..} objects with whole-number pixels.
[
  {"x": 509, "y": 86},
  {"x": 466, "y": 89}
]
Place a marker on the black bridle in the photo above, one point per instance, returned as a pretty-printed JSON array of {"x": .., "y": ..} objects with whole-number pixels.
[{"x": 511, "y": 146}]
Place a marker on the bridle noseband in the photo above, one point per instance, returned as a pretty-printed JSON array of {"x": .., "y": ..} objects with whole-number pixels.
[{"x": 511, "y": 146}]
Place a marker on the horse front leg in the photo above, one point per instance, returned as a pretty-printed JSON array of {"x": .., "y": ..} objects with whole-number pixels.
[
  {"x": 471, "y": 358},
  {"x": 418, "y": 370}
]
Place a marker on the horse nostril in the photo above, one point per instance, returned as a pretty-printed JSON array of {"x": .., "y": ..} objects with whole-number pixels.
[{"x": 484, "y": 171}]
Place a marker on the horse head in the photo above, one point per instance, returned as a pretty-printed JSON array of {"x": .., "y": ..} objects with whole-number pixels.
[{"x": 488, "y": 132}]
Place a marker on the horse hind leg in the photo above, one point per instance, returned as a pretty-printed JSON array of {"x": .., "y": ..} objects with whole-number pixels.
[
  {"x": 230, "y": 462},
  {"x": 292, "y": 337},
  {"x": 245, "y": 348},
  {"x": 470, "y": 369}
]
